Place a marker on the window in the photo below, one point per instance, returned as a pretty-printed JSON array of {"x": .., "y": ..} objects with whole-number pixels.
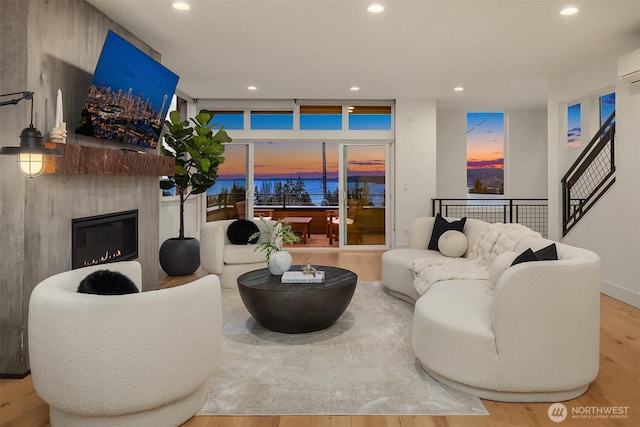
[
  {"x": 574, "y": 126},
  {"x": 607, "y": 107},
  {"x": 296, "y": 174},
  {"x": 485, "y": 153},
  {"x": 228, "y": 119},
  {"x": 369, "y": 117},
  {"x": 320, "y": 117},
  {"x": 231, "y": 185},
  {"x": 271, "y": 120}
]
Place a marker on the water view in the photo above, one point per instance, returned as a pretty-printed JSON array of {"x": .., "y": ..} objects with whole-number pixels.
[{"x": 308, "y": 192}]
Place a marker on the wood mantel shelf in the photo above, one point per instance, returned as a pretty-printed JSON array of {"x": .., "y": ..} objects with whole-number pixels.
[{"x": 84, "y": 159}]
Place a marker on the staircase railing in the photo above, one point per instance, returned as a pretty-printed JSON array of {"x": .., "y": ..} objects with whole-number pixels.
[
  {"x": 530, "y": 212},
  {"x": 590, "y": 176}
]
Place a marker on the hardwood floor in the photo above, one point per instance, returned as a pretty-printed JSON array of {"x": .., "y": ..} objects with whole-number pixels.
[
  {"x": 617, "y": 385},
  {"x": 316, "y": 240}
]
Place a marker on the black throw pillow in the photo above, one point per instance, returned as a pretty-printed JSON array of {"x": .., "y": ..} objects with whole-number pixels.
[
  {"x": 526, "y": 256},
  {"x": 107, "y": 282},
  {"x": 240, "y": 231},
  {"x": 440, "y": 226},
  {"x": 548, "y": 253}
]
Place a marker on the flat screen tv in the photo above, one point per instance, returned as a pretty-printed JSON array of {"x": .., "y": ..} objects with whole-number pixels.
[{"x": 129, "y": 95}]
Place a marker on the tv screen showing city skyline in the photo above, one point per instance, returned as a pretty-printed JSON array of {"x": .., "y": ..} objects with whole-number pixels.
[{"x": 129, "y": 96}]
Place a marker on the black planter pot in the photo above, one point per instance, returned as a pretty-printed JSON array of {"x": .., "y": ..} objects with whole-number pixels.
[{"x": 180, "y": 257}]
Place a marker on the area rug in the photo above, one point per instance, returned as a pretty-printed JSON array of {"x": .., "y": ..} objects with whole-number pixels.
[{"x": 362, "y": 365}]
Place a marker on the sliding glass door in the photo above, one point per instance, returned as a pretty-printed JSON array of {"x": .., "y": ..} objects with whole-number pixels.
[
  {"x": 364, "y": 183},
  {"x": 343, "y": 187},
  {"x": 231, "y": 195}
]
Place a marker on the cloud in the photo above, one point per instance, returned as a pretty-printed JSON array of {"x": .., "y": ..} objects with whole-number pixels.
[
  {"x": 366, "y": 163},
  {"x": 260, "y": 166},
  {"x": 575, "y": 132},
  {"x": 608, "y": 99},
  {"x": 483, "y": 164}
]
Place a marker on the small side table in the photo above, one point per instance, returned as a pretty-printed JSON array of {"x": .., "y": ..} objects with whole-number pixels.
[{"x": 300, "y": 224}]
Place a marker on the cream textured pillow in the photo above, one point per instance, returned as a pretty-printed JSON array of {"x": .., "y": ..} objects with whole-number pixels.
[
  {"x": 500, "y": 265},
  {"x": 452, "y": 243}
]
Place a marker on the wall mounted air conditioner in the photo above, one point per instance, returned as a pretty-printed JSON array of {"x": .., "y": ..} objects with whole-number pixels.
[{"x": 629, "y": 67}]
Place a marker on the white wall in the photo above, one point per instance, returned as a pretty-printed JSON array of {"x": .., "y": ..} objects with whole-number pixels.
[
  {"x": 415, "y": 163},
  {"x": 525, "y": 153},
  {"x": 452, "y": 154},
  {"x": 612, "y": 227}
]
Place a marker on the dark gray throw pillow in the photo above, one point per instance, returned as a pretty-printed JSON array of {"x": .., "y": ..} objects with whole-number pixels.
[
  {"x": 440, "y": 226},
  {"x": 107, "y": 282},
  {"x": 241, "y": 230}
]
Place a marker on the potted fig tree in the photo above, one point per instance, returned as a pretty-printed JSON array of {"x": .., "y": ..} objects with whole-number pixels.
[{"x": 198, "y": 151}]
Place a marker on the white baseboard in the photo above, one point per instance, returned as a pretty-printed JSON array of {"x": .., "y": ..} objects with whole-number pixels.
[{"x": 620, "y": 293}]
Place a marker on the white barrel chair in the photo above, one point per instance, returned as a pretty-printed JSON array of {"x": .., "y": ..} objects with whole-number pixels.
[
  {"x": 142, "y": 359},
  {"x": 228, "y": 261}
]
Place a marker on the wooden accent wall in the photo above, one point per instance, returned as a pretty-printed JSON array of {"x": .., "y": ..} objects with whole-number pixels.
[{"x": 83, "y": 159}]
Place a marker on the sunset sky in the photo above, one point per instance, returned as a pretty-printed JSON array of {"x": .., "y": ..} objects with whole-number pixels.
[
  {"x": 485, "y": 140},
  {"x": 574, "y": 126},
  {"x": 290, "y": 159}
]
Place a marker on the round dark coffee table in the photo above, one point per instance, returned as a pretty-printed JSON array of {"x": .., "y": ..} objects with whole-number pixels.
[{"x": 295, "y": 308}]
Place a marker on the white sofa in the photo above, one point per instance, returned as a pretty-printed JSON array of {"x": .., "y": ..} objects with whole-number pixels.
[
  {"x": 142, "y": 359},
  {"x": 530, "y": 334},
  {"x": 228, "y": 261}
]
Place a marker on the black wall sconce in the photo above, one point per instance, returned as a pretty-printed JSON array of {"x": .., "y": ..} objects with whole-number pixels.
[{"x": 31, "y": 151}]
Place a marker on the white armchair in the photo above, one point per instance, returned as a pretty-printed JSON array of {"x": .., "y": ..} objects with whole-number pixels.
[
  {"x": 126, "y": 360},
  {"x": 228, "y": 261}
]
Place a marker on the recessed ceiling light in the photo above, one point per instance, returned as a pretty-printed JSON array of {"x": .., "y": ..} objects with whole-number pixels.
[
  {"x": 180, "y": 5},
  {"x": 355, "y": 88},
  {"x": 252, "y": 88},
  {"x": 458, "y": 88},
  {"x": 375, "y": 8},
  {"x": 569, "y": 11}
]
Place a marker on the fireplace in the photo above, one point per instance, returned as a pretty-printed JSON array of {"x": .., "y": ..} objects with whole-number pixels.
[{"x": 104, "y": 238}]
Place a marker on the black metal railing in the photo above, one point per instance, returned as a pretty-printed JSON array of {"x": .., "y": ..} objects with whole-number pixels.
[
  {"x": 291, "y": 200},
  {"x": 590, "y": 176},
  {"x": 532, "y": 213}
]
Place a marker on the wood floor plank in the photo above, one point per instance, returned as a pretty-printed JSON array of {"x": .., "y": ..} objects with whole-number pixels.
[
  {"x": 261, "y": 422},
  {"x": 617, "y": 384},
  {"x": 369, "y": 421},
  {"x": 332, "y": 421},
  {"x": 297, "y": 421}
]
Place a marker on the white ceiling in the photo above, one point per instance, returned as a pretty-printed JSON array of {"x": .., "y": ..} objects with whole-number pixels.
[{"x": 501, "y": 52}]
